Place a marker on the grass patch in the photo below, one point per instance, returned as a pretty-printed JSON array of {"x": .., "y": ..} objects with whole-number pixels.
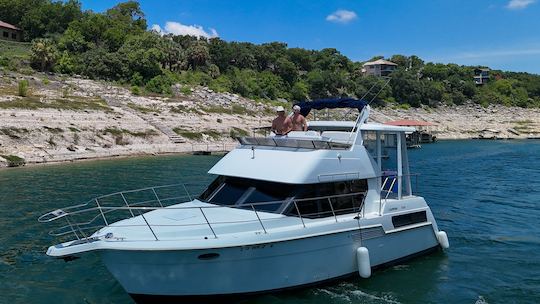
[
  {"x": 121, "y": 132},
  {"x": 179, "y": 109},
  {"x": 185, "y": 90},
  {"x": 522, "y": 129},
  {"x": 188, "y": 134},
  {"x": 142, "y": 109},
  {"x": 213, "y": 133},
  {"x": 13, "y": 132},
  {"x": 196, "y": 135},
  {"x": 14, "y": 49},
  {"x": 523, "y": 122},
  {"x": 14, "y": 55},
  {"x": 74, "y": 103},
  {"x": 238, "y": 132},
  {"x": 54, "y": 130},
  {"x": 234, "y": 109},
  {"x": 14, "y": 160},
  {"x": 73, "y": 129},
  {"x": 23, "y": 88}
]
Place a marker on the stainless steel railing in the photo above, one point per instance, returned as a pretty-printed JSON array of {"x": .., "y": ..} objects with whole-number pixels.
[
  {"x": 389, "y": 182},
  {"x": 85, "y": 219}
]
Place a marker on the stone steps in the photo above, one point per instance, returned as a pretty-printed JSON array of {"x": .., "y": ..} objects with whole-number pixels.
[{"x": 173, "y": 137}]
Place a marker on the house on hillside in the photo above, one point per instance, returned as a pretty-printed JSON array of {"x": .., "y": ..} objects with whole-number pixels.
[
  {"x": 9, "y": 32},
  {"x": 481, "y": 76},
  {"x": 378, "y": 68}
]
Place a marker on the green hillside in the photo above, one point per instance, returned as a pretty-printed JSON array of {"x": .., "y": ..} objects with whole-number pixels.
[{"x": 116, "y": 45}]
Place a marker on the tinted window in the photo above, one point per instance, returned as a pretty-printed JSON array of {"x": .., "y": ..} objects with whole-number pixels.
[
  {"x": 229, "y": 194},
  {"x": 318, "y": 200},
  {"x": 244, "y": 192},
  {"x": 312, "y": 200},
  {"x": 409, "y": 219}
]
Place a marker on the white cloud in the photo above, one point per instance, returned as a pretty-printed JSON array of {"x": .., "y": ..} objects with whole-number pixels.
[
  {"x": 342, "y": 16},
  {"x": 519, "y": 4},
  {"x": 178, "y": 28}
]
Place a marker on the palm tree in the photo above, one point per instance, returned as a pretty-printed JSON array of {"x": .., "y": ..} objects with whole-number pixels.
[
  {"x": 198, "y": 54},
  {"x": 43, "y": 54}
]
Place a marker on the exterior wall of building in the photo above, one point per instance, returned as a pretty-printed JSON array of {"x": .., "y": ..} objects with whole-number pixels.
[
  {"x": 378, "y": 70},
  {"x": 10, "y": 34},
  {"x": 481, "y": 76}
]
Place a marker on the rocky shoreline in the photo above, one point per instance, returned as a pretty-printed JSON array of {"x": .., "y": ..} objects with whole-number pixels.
[{"x": 66, "y": 119}]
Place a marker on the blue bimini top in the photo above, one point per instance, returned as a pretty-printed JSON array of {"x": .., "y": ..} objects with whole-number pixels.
[{"x": 330, "y": 103}]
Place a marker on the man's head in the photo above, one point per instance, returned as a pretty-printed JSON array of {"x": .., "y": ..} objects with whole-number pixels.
[
  {"x": 296, "y": 109},
  {"x": 280, "y": 110}
]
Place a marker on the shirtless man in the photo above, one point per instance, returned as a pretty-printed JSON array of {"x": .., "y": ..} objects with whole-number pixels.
[
  {"x": 298, "y": 120},
  {"x": 282, "y": 124}
]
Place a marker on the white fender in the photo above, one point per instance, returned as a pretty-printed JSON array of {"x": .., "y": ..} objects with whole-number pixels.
[
  {"x": 364, "y": 266},
  {"x": 443, "y": 239}
]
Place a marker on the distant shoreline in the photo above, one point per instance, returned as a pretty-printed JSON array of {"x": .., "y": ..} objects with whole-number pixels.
[{"x": 179, "y": 153}]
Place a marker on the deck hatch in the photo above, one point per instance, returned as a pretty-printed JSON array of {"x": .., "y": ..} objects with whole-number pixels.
[{"x": 409, "y": 219}]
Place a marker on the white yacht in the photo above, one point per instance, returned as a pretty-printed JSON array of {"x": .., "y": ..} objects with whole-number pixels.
[{"x": 283, "y": 212}]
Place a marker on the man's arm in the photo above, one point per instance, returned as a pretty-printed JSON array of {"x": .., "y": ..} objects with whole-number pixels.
[
  {"x": 304, "y": 123},
  {"x": 288, "y": 125}
]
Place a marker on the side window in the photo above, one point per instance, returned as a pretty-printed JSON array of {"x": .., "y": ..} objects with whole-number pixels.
[
  {"x": 6, "y": 34},
  {"x": 13, "y": 36},
  {"x": 318, "y": 200}
]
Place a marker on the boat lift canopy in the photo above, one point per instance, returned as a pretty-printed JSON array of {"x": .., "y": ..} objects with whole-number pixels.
[{"x": 331, "y": 103}]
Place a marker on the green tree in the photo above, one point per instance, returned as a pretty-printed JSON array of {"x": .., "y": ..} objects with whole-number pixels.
[
  {"x": 197, "y": 55},
  {"x": 299, "y": 91},
  {"x": 286, "y": 70},
  {"x": 43, "y": 54},
  {"x": 142, "y": 55}
]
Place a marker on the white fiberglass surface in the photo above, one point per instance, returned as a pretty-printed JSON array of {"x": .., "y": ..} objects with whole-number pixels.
[{"x": 192, "y": 220}]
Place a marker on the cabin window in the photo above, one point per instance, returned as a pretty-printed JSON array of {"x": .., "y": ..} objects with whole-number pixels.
[
  {"x": 312, "y": 199},
  {"x": 13, "y": 36},
  {"x": 6, "y": 35},
  {"x": 409, "y": 219},
  {"x": 369, "y": 139},
  {"x": 244, "y": 193},
  {"x": 318, "y": 200}
]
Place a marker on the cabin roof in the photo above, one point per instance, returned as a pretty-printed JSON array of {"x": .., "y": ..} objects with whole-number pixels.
[
  {"x": 9, "y": 26},
  {"x": 380, "y": 62}
]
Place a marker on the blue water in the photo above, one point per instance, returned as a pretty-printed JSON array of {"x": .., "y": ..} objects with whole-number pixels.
[{"x": 485, "y": 194}]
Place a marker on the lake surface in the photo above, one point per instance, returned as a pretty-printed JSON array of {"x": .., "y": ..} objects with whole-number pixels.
[{"x": 484, "y": 194}]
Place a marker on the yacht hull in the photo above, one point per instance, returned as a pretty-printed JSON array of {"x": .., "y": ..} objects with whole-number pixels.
[{"x": 267, "y": 267}]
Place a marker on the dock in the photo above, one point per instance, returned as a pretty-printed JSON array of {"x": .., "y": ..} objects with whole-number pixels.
[{"x": 220, "y": 148}]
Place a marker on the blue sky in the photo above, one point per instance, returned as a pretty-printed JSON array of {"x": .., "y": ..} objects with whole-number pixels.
[{"x": 502, "y": 34}]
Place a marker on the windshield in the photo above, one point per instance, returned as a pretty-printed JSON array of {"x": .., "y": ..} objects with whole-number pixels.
[
  {"x": 230, "y": 191},
  {"x": 258, "y": 195}
]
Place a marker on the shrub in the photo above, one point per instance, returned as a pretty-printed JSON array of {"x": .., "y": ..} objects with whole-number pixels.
[
  {"x": 137, "y": 79},
  {"x": 23, "y": 88},
  {"x": 135, "y": 90},
  {"x": 14, "y": 161},
  {"x": 185, "y": 90},
  {"x": 160, "y": 84}
]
